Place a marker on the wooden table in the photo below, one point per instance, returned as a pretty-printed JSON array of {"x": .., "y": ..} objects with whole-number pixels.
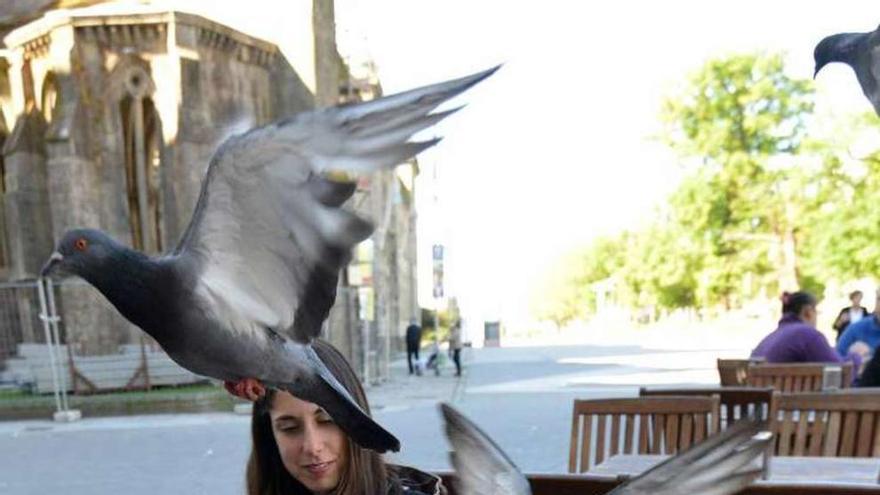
[{"x": 837, "y": 470}]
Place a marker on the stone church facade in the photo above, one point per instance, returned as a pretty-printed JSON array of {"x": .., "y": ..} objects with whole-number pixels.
[{"x": 109, "y": 119}]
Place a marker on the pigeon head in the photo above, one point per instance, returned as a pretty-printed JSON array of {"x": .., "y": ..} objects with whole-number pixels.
[
  {"x": 836, "y": 48},
  {"x": 80, "y": 252}
]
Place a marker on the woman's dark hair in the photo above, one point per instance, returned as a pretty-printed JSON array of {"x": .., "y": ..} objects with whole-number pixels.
[
  {"x": 794, "y": 302},
  {"x": 365, "y": 472}
]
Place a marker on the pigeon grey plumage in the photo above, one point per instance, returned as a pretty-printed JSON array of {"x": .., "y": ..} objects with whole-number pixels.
[
  {"x": 255, "y": 273},
  {"x": 861, "y": 51},
  {"x": 712, "y": 467}
]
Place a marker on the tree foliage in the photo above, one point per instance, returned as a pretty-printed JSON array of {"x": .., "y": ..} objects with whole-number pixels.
[{"x": 765, "y": 206}]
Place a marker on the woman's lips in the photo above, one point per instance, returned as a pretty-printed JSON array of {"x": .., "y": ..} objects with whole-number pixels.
[{"x": 319, "y": 469}]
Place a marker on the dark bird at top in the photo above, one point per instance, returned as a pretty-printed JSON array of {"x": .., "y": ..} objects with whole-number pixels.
[
  {"x": 861, "y": 51},
  {"x": 254, "y": 276},
  {"x": 719, "y": 465}
]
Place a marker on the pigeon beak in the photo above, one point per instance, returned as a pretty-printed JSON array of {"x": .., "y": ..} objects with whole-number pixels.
[{"x": 53, "y": 260}]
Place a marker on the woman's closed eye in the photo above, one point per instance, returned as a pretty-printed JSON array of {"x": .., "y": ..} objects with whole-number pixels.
[{"x": 287, "y": 427}]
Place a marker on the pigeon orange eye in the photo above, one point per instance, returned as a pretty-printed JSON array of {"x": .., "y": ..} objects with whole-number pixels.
[{"x": 80, "y": 244}]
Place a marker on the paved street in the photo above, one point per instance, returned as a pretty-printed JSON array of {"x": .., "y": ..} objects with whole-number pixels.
[{"x": 522, "y": 396}]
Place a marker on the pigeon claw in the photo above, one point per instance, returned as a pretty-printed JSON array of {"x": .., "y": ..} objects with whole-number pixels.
[{"x": 247, "y": 388}]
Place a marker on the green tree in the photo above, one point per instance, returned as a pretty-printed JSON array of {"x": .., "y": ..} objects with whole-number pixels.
[
  {"x": 566, "y": 291},
  {"x": 844, "y": 223},
  {"x": 742, "y": 120}
]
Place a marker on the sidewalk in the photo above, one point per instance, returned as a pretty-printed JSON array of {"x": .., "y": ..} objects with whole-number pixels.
[{"x": 402, "y": 390}]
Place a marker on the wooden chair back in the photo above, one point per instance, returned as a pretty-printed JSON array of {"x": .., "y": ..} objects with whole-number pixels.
[
  {"x": 647, "y": 425},
  {"x": 734, "y": 372},
  {"x": 735, "y": 402},
  {"x": 843, "y": 423},
  {"x": 800, "y": 377}
]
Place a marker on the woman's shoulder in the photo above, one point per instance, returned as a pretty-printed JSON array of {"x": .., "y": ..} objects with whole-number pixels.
[{"x": 413, "y": 481}]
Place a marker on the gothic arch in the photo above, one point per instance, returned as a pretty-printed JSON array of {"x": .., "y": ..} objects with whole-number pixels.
[
  {"x": 50, "y": 98},
  {"x": 130, "y": 92}
]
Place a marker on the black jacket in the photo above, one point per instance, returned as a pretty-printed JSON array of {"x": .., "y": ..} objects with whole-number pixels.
[
  {"x": 410, "y": 481},
  {"x": 840, "y": 325},
  {"x": 413, "y": 336}
]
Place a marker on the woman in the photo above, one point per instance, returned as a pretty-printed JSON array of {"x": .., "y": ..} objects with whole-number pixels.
[
  {"x": 850, "y": 314},
  {"x": 455, "y": 346},
  {"x": 796, "y": 339},
  {"x": 298, "y": 449}
]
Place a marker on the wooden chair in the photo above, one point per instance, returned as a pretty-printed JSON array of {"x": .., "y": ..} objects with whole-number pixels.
[
  {"x": 646, "y": 425},
  {"x": 844, "y": 423},
  {"x": 734, "y": 372},
  {"x": 800, "y": 377},
  {"x": 735, "y": 402}
]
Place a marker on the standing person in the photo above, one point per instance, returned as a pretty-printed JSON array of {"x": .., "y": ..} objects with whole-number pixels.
[
  {"x": 413, "y": 343},
  {"x": 455, "y": 345},
  {"x": 299, "y": 450},
  {"x": 850, "y": 314},
  {"x": 796, "y": 339},
  {"x": 862, "y": 336}
]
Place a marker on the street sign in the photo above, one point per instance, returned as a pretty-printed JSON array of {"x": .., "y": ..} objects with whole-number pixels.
[{"x": 438, "y": 270}]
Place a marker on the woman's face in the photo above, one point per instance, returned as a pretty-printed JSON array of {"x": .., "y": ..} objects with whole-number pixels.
[
  {"x": 313, "y": 449},
  {"x": 810, "y": 315}
]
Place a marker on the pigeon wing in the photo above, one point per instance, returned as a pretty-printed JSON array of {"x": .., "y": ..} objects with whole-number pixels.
[
  {"x": 716, "y": 466},
  {"x": 481, "y": 467},
  {"x": 268, "y": 237}
]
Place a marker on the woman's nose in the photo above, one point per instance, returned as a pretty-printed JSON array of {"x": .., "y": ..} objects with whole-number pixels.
[{"x": 312, "y": 441}]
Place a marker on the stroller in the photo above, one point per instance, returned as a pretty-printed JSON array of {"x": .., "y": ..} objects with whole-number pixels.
[{"x": 435, "y": 360}]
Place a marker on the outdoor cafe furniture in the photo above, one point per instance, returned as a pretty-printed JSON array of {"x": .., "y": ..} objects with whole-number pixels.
[
  {"x": 735, "y": 402},
  {"x": 853, "y": 471},
  {"x": 734, "y": 372},
  {"x": 646, "y": 425},
  {"x": 800, "y": 377},
  {"x": 844, "y": 423}
]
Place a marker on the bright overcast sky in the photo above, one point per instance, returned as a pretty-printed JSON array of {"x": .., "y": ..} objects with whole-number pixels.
[{"x": 556, "y": 147}]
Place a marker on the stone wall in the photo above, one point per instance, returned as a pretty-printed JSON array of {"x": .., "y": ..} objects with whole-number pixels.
[{"x": 66, "y": 89}]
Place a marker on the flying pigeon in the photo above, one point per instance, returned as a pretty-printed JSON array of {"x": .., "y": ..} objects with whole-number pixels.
[
  {"x": 861, "y": 51},
  {"x": 254, "y": 275},
  {"x": 716, "y": 466}
]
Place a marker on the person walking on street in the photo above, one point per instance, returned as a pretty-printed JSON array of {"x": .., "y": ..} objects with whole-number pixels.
[
  {"x": 455, "y": 345},
  {"x": 413, "y": 342}
]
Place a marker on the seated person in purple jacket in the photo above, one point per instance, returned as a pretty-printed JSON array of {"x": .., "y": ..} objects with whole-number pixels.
[{"x": 796, "y": 339}]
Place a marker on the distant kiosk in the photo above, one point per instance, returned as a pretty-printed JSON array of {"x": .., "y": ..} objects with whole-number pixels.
[{"x": 492, "y": 334}]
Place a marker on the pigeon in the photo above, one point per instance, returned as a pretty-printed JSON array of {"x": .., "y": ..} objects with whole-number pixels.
[
  {"x": 716, "y": 466},
  {"x": 254, "y": 275},
  {"x": 861, "y": 51}
]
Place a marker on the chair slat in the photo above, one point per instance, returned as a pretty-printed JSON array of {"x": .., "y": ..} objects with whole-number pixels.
[
  {"x": 659, "y": 431},
  {"x": 628, "y": 434},
  {"x": 800, "y": 435},
  {"x": 875, "y": 451},
  {"x": 817, "y": 434},
  {"x": 576, "y": 422},
  {"x": 615, "y": 434},
  {"x": 586, "y": 443},
  {"x": 785, "y": 433},
  {"x": 865, "y": 434},
  {"x": 699, "y": 428},
  {"x": 848, "y": 435},
  {"x": 644, "y": 426},
  {"x": 600, "y": 438},
  {"x": 672, "y": 433},
  {"x": 832, "y": 435}
]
